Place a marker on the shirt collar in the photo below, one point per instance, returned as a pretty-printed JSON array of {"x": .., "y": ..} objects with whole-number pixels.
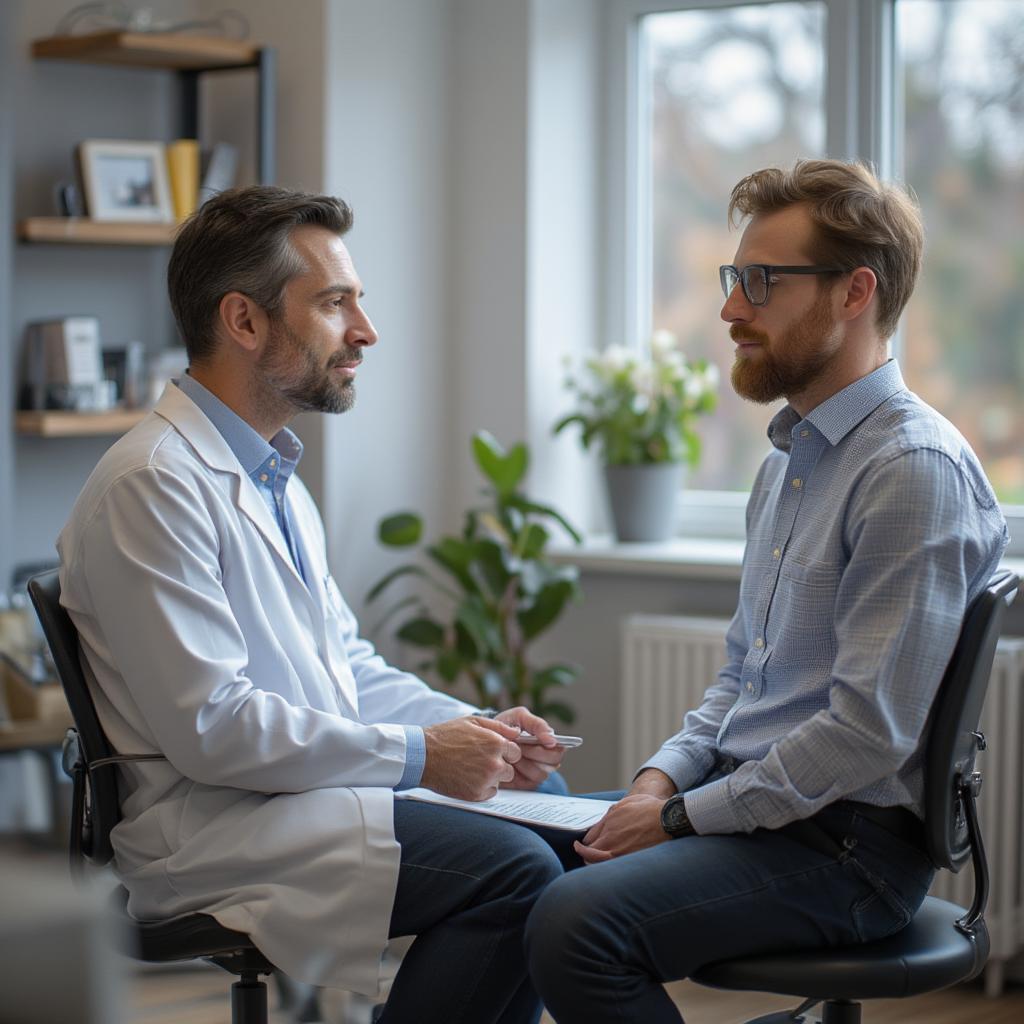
[
  {"x": 251, "y": 450},
  {"x": 838, "y": 415}
]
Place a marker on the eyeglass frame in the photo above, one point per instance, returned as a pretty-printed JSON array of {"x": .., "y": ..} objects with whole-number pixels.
[{"x": 769, "y": 271}]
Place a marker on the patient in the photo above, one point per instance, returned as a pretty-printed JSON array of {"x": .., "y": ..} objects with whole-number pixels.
[{"x": 786, "y": 812}]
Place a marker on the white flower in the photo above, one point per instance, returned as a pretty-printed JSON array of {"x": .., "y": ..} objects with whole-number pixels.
[
  {"x": 662, "y": 343},
  {"x": 615, "y": 358}
]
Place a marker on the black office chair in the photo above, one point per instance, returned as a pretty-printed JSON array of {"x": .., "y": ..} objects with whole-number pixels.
[
  {"x": 95, "y": 810},
  {"x": 943, "y": 944}
]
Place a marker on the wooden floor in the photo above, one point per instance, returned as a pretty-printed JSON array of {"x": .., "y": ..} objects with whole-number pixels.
[{"x": 200, "y": 996}]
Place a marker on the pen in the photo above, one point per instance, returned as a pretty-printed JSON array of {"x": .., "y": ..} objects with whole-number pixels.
[{"x": 527, "y": 739}]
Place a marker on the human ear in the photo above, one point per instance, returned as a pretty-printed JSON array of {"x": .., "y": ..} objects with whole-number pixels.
[
  {"x": 859, "y": 292},
  {"x": 243, "y": 320}
]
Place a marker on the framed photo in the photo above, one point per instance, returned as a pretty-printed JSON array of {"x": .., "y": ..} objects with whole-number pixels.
[{"x": 125, "y": 181}]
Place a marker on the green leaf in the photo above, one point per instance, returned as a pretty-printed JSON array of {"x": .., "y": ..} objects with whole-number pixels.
[
  {"x": 532, "y": 540},
  {"x": 454, "y": 556},
  {"x": 554, "y": 675},
  {"x": 401, "y": 530},
  {"x": 403, "y": 570},
  {"x": 504, "y": 469},
  {"x": 525, "y": 505},
  {"x": 490, "y": 565},
  {"x": 566, "y": 420},
  {"x": 480, "y": 626},
  {"x": 449, "y": 665},
  {"x": 422, "y": 633},
  {"x": 546, "y": 607}
]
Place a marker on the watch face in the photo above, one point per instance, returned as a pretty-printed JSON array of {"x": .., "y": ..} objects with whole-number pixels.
[{"x": 674, "y": 818}]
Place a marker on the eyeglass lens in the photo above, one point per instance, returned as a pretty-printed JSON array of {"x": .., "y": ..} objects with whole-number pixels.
[{"x": 755, "y": 283}]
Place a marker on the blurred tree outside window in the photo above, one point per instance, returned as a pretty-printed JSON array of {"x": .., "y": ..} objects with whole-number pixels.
[
  {"x": 728, "y": 90},
  {"x": 961, "y": 68}
]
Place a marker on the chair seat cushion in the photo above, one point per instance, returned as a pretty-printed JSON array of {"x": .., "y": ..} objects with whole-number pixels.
[
  {"x": 929, "y": 954},
  {"x": 190, "y": 936}
]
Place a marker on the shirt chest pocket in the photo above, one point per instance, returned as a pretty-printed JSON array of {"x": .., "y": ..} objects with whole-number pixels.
[{"x": 805, "y": 603}]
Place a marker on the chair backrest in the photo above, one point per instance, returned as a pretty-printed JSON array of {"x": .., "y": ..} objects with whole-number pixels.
[
  {"x": 103, "y": 811},
  {"x": 953, "y": 739}
]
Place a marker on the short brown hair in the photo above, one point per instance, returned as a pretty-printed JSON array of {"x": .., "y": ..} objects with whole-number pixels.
[
  {"x": 240, "y": 241},
  {"x": 859, "y": 222}
]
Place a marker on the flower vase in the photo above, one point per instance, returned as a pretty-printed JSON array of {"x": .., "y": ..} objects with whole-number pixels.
[{"x": 643, "y": 500}]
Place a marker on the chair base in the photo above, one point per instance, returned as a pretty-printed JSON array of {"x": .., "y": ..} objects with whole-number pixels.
[
  {"x": 834, "y": 1011},
  {"x": 249, "y": 1000}
]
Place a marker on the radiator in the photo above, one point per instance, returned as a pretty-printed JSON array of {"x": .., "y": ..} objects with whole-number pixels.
[{"x": 667, "y": 663}]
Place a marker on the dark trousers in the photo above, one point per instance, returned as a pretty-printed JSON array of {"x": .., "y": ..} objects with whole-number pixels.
[
  {"x": 466, "y": 886},
  {"x": 603, "y": 938}
]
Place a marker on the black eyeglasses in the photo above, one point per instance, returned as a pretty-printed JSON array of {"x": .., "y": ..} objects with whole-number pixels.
[{"x": 757, "y": 278}]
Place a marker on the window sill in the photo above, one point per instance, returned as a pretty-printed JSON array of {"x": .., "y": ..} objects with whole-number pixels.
[
  {"x": 701, "y": 558},
  {"x": 692, "y": 559}
]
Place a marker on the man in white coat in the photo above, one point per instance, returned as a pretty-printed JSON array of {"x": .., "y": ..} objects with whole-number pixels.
[{"x": 194, "y": 568}]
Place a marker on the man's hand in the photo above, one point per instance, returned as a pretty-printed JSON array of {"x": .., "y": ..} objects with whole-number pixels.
[
  {"x": 539, "y": 760},
  {"x": 634, "y": 823},
  {"x": 468, "y": 758}
]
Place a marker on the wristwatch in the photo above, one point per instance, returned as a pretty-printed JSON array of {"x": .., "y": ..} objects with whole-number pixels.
[{"x": 674, "y": 819}]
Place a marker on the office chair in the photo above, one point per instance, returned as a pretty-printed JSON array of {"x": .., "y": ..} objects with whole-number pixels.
[
  {"x": 943, "y": 944},
  {"x": 95, "y": 810}
]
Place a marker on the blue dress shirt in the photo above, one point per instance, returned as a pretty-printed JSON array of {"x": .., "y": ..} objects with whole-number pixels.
[
  {"x": 270, "y": 466},
  {"x": 870, "y": 528}
]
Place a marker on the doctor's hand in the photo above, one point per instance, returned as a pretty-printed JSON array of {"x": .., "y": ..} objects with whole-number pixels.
[
  {"x": 468, "y": 758},
  {"x": 634, "y": 823},
  {"x": 539, "y": 760}
]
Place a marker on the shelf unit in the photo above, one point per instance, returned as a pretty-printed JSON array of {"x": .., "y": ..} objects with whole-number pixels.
[
  {"x": 83, "y": 231},
  {"x": 189, "y": 57},
  {"x": 76, "y": 424}
]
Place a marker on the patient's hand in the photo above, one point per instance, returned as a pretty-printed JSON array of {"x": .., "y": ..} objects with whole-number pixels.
[{"x": 634, "y": 823}]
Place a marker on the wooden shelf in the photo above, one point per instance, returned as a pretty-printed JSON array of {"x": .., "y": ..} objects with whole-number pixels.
[
  {"x": 82, "y": 230},
  {"x": 77, "y": 424},
  {"x": 177, "y": 51}
]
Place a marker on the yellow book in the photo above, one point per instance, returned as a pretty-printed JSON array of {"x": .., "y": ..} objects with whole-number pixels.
[{"x": 183, "y": 168}]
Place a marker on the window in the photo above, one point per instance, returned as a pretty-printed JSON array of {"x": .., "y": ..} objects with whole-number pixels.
[
  {"x": 961, "y": 68},
  {"x": 931, "y": 91}
]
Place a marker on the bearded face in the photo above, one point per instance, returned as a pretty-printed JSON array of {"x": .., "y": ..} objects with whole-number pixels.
[
  {"x": 292, "y": 369},
  {"x": 769, "y": 368}
]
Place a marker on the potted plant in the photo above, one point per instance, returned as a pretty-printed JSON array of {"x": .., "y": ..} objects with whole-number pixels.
[
  {"x": 499, "y": 590},
  {"x": 642, "y": 410}
]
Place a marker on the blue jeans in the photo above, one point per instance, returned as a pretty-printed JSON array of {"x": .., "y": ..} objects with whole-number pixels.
[
  {"x": 466, "y": 885},
  {"x": 602, "y": 939}
]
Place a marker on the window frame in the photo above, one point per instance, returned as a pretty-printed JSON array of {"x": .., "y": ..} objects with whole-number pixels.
[{"x": 863, "y": 119}]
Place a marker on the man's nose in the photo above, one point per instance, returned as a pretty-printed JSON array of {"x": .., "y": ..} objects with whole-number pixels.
[{"x": 362, "y": 332}]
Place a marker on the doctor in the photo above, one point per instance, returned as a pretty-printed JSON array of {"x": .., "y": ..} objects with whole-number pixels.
[{"x": 194, "y": 568}]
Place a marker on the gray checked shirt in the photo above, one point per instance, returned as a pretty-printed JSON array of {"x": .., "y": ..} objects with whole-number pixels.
[{"x": 870, "y": 528}]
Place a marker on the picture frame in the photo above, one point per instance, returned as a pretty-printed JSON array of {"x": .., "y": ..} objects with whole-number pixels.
[{"x": 125, "y": 181}]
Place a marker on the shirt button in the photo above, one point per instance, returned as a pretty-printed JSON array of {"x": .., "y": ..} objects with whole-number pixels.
[
  {"x": 263, "y": 478},
  {"x": 777, "y": 553},
  {"x": 803, "y": 433},
  {"x": 273, "y": 463},
  {"x": 750, "y": 686},
  {"x": 797, "y": 481},
  {"x": 759, "y": 643}
]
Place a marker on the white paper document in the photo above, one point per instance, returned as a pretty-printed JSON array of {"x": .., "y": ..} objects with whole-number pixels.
[{"x": 571, "y": 813}]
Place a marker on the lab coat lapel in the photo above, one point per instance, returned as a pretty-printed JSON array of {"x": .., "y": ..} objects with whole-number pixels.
[{"x": 189, "y": 420}]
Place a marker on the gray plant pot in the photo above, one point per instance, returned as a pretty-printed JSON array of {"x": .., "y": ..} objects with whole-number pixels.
[{"x": 643, "y": 500}]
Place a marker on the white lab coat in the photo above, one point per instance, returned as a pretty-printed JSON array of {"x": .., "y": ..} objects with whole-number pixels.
[{"x": 281, "y": 727}]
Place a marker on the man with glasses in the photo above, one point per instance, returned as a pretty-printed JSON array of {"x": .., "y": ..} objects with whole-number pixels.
[{"x": 786, "y": 812}]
